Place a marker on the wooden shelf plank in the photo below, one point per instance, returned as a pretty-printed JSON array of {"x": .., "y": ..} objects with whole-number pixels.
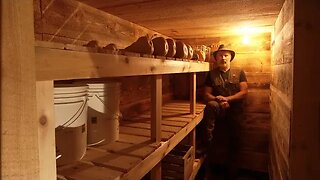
[
  {"x": 85, "y": 171},
  {"x": 129, "y": 138},
  {"x": 145, "y": 125},
  {"x": 59, "y": 64},
  {"x": 144, "y": 132},
  {"x": 141, "y": 150},
  {"x": 113, "y": 161}
]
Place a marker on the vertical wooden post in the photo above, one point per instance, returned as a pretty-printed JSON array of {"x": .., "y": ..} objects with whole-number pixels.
[
  {"x": 156, "y": 115},
  {"x": 156, "y": 108},
  {"x": 19, "y": 125},
  {"x": 46, "y": 130},
  {"x": 304, "y": 155},
  {"x": 156, "y": 172},
  {"x": 193, "y": 93},
  {"x": 192, "y": 135}
]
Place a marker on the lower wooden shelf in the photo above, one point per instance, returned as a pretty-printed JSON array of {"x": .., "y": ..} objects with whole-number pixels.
[{"x": 134, "y": 155}]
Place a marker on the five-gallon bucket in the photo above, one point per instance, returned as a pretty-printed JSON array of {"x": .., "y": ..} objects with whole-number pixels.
[
  {"x": 70, "y": 104},
  {"x": 103, "y": 112}
]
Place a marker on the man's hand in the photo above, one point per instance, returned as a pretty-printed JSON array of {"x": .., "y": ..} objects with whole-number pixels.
[
  {"x": 221, "y": 99},
  {"x": 224, "y": 104}
]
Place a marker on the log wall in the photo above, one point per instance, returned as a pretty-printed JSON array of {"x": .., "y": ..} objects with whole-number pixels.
[
  {"x": 295, "y": 96},
  {"x": 281, "y": 92}
]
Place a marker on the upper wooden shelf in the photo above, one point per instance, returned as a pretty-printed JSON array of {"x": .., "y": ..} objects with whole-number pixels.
[{"x": 59, "y": 63}]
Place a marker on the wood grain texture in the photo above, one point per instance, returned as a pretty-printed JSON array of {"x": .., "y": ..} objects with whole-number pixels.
[
  {"x": 46, "y": 130},
  {"x": 193, "y": 19},
  {"x": 193, "y": 84},
  {"x": 73, "y": 22},
  {"x": 156, "y": 109},
  {"x": 54, "y": 64},
  {"x": 281, "y": 96},
  {"x": 133, "y": 155},
  {"x": 19, "y": 125},
  {"x": 305, "y": 124}
]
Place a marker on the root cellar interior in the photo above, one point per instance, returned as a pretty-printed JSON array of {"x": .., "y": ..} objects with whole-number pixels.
[{"x": 98, "y": 89}]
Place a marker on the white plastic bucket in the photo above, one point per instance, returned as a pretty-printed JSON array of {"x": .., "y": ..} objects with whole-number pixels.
[
  {"x": 70, "y": 104},
  {"x": 103, "y": 113}
]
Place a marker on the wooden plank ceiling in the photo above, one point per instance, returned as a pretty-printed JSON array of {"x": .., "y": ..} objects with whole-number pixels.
[{"x": 195, "y": 19}]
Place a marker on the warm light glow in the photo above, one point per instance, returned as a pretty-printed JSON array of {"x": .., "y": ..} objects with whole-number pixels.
[
  {"x": 246, "y": 39},
  {"x": 249, "y": 30}
]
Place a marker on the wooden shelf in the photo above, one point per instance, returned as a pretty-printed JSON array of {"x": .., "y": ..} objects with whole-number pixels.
[
  {"x": 133, "y": 155},
  {"x": 61, "y": 62}
]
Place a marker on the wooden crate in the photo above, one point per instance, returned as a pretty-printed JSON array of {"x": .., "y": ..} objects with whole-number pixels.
[{"x": 178, "y": 163}]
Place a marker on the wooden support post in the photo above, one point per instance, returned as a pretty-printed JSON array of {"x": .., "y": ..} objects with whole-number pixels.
[
  {"x": 46, "y": 130},
  {"x": 156, "y": 172},
  {"x": 19, "y": 135},
  {"x": 156, "y": 115},
  {"x": 192, "y": 135},
  {"x": 193, "y": 93},
  {"x": 156, "y": 108}
]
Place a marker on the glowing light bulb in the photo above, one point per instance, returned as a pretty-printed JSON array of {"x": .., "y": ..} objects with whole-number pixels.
[{"x": 246, "y": 39}]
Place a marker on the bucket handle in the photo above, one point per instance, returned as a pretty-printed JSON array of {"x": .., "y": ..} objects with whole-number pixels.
[
  {"x": 118, "y": 114},
  {"x": 81, "y": 109}
]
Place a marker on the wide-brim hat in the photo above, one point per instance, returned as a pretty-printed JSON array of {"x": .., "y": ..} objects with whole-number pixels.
[{"x": 223, "y": 48}]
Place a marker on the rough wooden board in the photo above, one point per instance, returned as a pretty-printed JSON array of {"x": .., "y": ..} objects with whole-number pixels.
[
  {"x": 174, "y": 114},
  {"x": 196, "y": 166},
  {"x": 93, "y": 153},
  {"x": 163, "y": 121},
  {"x": 304, "y": 122},
  {"x": 137, "y": 124},
  {"x": 46, "y": 129},
  {"x": 166, "y": 18},
  {"x": 259, "y": 77},
  {"x": 177, "y": 119},
  {"x": 79, "y": 22},
  {"x": 179, "y": 109},
  {"x": 173, "y": 123},
  {"x": 177, "y": 103},
  {"x": 19, "y": 125},
  {"x": 85, "y": 171},
  {"x": 143, "y": 132},
  {"x": 117, "y": 162},
  {"x": 281, "y": 92},
  {"x": 283, "y": 46},
  {"x": 156, "y": 108},
  {"x": 55, "y": 64},
  {"x": 114, "y": 161},
  {"x": 134, "y": 139},
  {"x": 141, "y": 150},
  {"x": 257, "y": 96},
  {"x": 283, "y": 79}
]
